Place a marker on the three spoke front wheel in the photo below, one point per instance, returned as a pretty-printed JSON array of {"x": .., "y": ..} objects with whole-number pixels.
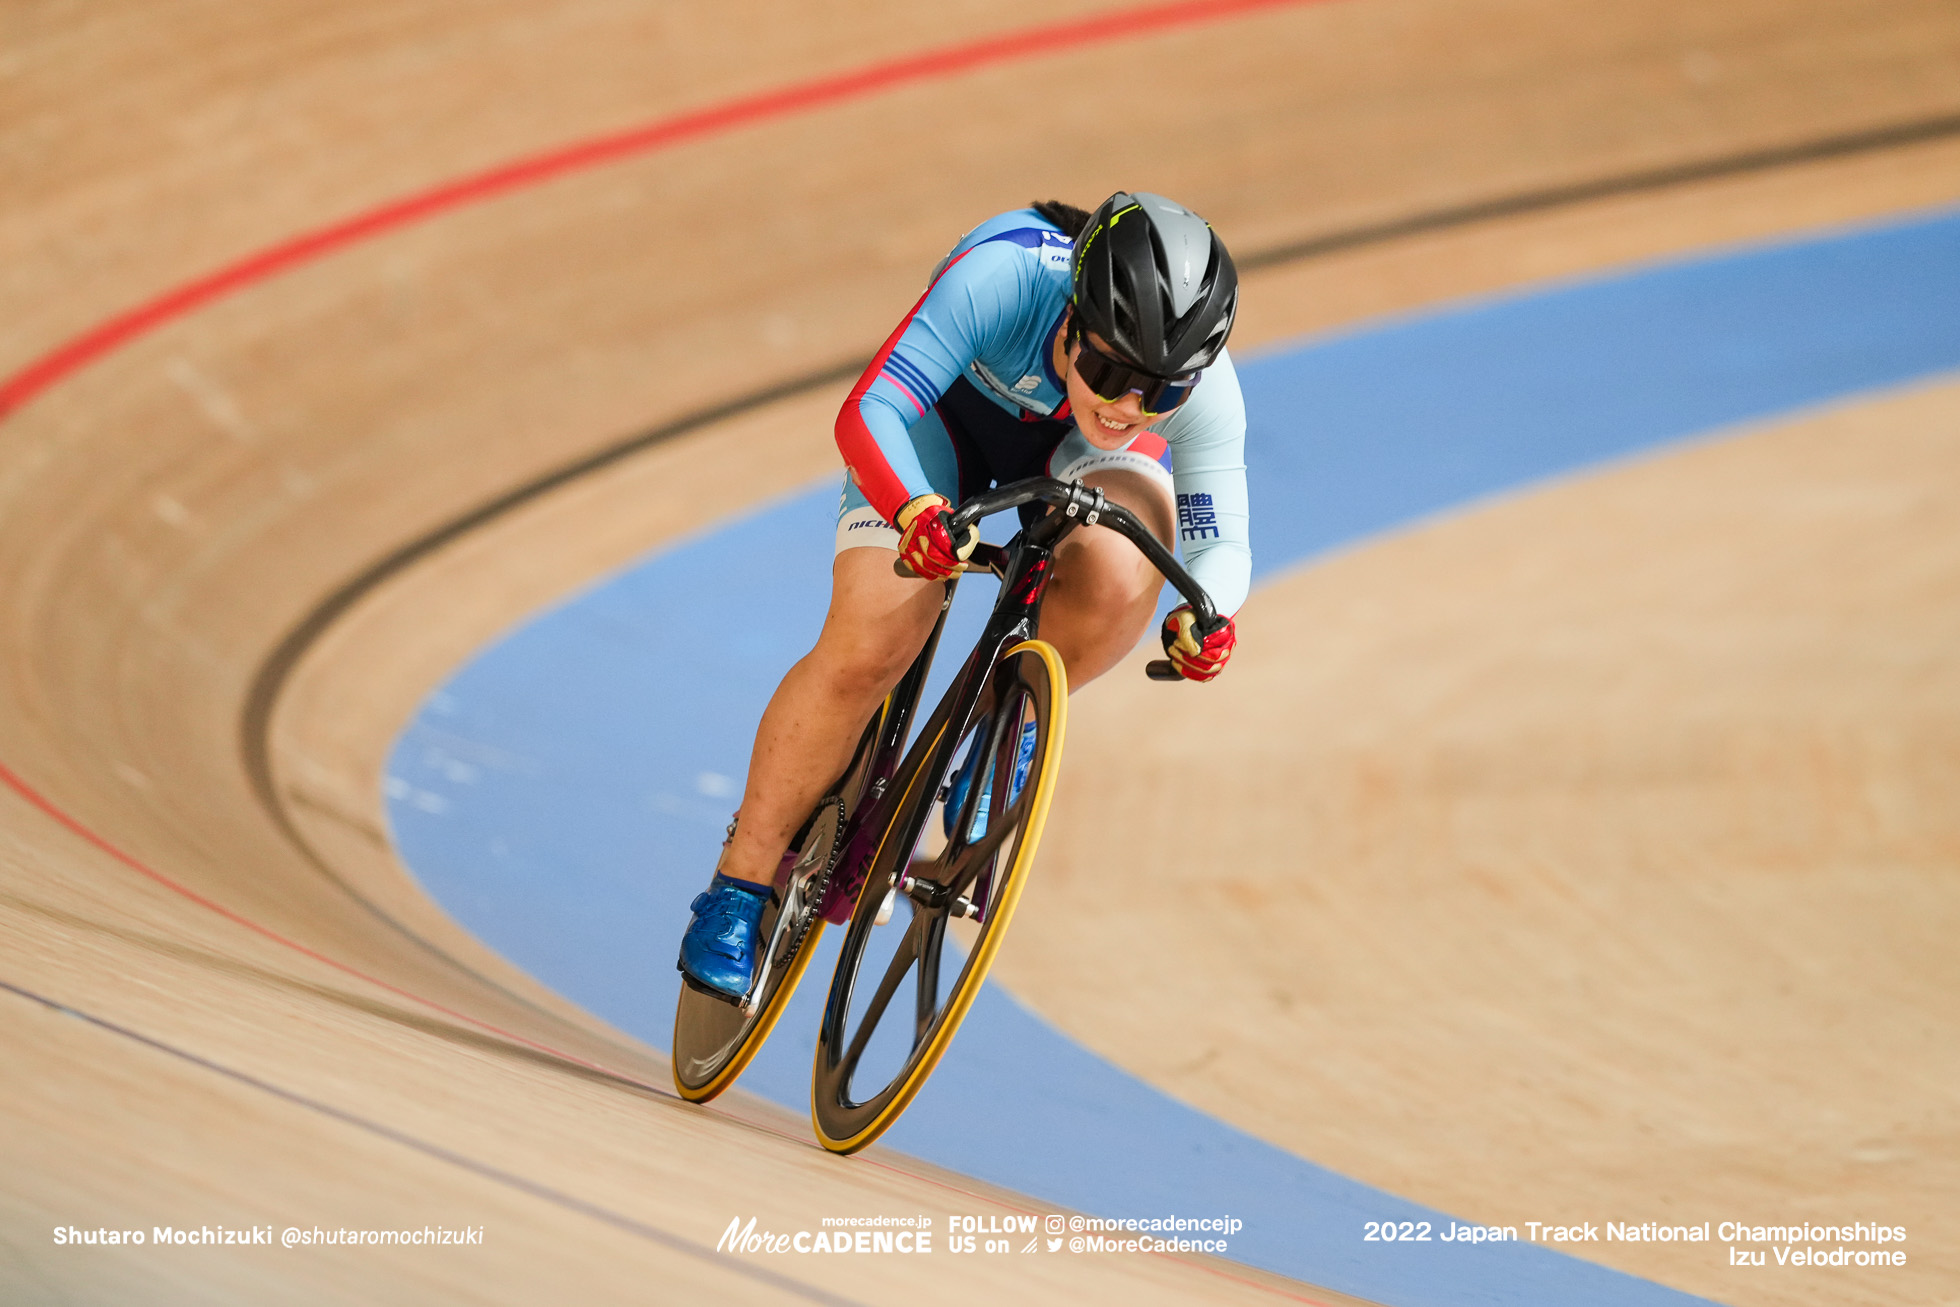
[{"x": 954, "y": 858}]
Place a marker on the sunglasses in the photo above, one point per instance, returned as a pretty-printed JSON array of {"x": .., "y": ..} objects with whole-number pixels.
[{"x": 1112, "y": 379}]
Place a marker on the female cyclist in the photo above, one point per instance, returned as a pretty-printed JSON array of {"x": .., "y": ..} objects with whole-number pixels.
[{"x": 1081, "y": 346}]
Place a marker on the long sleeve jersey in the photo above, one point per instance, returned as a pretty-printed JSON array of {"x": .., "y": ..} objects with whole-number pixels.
[{"x": 991, "y": 312}]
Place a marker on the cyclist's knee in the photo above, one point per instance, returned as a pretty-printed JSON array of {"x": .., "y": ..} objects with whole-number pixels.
[
  {"x": 1104, "y": 574},
  {"x": 863, "y": 662}
]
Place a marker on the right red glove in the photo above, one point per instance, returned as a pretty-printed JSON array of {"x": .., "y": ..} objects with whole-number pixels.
[
  {"x": 926, "y": 542},
  {"x": 1194, "y": 659}
]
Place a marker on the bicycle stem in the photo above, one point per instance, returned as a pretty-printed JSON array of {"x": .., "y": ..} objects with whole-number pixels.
[{"x": 1077, "y": 505}]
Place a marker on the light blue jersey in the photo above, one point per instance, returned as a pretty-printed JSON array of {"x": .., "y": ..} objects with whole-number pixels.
[{"x": 992, "y": 313}]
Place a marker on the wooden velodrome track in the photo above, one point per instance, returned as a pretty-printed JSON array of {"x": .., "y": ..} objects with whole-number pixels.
[{"x": 1652, "y": 929}]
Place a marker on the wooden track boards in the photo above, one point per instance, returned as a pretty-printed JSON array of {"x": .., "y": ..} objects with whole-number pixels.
[{"x": 170, "y": 515}]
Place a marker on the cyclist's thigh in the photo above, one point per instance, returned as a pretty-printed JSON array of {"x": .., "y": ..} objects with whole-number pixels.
[
  {"x": 859, "y": 525},
  {"x": 1134, "y": 477},
  {"x": 878, "y": 620}
]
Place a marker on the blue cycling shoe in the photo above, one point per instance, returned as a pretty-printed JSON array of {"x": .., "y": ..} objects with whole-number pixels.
[
  {"x": 956, "y": 791},
  {"x": 718, "y": 950},
  {"x": 963, "y": 781}
]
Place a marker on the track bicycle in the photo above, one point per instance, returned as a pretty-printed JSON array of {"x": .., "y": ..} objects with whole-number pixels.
[{"x": 985, "y": 761}]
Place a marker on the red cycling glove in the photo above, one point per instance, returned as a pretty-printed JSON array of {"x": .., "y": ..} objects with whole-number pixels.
[
  {"x": 1197, "y": 660},
  {"x": 925, "y": 542}
]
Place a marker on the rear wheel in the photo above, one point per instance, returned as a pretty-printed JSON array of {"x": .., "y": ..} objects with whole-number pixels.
[
  {"x": 714, "y": 1038},
  {"x": 880, "y": 1040}
]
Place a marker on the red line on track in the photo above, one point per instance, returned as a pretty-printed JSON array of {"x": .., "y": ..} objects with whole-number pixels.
[
  {"x": 106, "y": 337},
  {"x": 33, "y": 796},
  {"x": 109, "y": 335},
  {"x": 40, "y": 801}
]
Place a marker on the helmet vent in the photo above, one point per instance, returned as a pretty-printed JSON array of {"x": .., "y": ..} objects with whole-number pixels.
[{"x": 1154, "y": 283}]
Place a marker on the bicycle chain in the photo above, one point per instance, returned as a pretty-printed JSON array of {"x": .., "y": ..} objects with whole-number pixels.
[{"x": 813, "y": 895}]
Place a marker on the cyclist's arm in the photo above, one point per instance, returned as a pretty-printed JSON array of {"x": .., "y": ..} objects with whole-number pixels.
[
  {"x": 1207, "y": 440},
  {"x": 975, "y": 296}
]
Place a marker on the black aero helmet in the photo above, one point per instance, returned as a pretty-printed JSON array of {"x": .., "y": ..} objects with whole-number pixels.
[{"x": 1153, "y": 280}]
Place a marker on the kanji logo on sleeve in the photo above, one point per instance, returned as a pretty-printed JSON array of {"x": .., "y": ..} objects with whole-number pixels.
[{"x": 1196, "y": 518}]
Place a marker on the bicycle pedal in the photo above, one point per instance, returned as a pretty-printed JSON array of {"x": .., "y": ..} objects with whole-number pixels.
[{"x": 733, "y": 1000}]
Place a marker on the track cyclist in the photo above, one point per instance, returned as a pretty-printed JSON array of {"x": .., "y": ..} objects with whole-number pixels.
[{"x": 1088, "y": 347}]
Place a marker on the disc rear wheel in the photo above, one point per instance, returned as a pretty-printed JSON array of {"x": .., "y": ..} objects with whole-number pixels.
[{"x": 715, "y": 1038}]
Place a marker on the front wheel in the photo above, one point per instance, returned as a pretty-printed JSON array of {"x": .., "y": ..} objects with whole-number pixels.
[{"x": 955, "y": 854}]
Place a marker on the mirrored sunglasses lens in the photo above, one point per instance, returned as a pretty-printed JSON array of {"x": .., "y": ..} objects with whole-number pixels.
[
  {"x": 1111, "y": 380},
  {"x": 1169, "y": 394},
  {"x": 1104, "y": 375}
]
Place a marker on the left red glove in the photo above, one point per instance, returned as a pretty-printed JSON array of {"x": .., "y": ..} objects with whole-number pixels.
[
  {"x": 925, "y": 543},
  {"x": 1195, "y": 659}
]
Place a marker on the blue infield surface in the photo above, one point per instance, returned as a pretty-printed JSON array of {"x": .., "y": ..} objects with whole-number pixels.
[{"x": 563, "y": 795}]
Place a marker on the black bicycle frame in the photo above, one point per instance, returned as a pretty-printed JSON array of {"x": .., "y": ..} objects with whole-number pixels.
[{"x": 1025, "y": 567}]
